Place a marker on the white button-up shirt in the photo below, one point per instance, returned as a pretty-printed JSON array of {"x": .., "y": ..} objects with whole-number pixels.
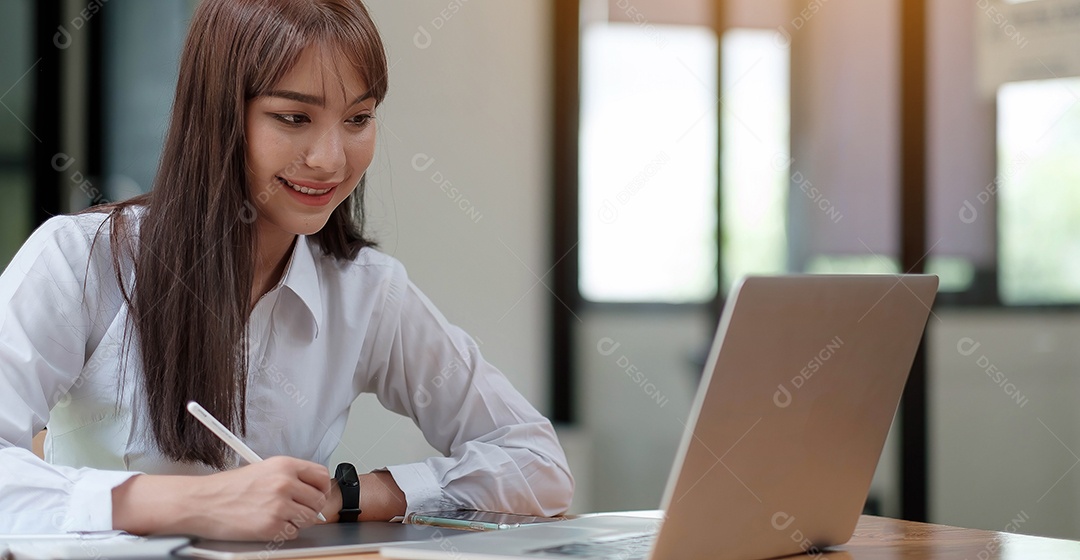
[{"x": 329, "y": 331}]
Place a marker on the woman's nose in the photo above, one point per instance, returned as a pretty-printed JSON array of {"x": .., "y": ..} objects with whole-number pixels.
[{"x": 327, "y": 152}]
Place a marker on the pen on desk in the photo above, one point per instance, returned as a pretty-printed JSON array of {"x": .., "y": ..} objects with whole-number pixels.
[{"x": 230, "y": 439}]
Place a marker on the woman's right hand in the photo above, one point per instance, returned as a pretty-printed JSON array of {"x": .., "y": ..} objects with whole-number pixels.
[{"x": 268, "y": 501}]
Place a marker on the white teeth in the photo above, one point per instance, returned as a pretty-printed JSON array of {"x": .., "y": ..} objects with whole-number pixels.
[{"x": 304, "y": 190}]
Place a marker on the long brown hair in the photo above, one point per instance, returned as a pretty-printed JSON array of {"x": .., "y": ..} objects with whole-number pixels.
[{"x": 193, "y": 246}]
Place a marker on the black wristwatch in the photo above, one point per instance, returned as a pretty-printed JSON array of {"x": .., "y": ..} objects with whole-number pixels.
[{"x": 349, "y": 483}]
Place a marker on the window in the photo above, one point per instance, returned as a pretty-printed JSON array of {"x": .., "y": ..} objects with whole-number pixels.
[
  {"x": 756, "y": 156},
  {"x": 17, "y": 80},
  {"x": 1039, "y": 202},
  {"x": 648, "y": 163}
]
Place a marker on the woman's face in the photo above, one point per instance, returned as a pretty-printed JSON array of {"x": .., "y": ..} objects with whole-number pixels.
[{"x": 309, "y": 141}]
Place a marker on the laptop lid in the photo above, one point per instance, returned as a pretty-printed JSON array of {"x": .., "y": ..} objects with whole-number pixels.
[
  {"x": 791, "y": 416},
  {"x": 801, "y": 386}
]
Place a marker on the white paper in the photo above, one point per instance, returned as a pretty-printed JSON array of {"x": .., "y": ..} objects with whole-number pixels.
[{"x": 89, "y": 546}]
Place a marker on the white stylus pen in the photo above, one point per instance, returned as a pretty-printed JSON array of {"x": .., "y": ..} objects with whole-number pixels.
[{"x": 228, "y": 437}]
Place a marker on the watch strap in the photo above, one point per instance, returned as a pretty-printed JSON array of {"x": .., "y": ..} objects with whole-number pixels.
[{"x": 349, "y": 483}]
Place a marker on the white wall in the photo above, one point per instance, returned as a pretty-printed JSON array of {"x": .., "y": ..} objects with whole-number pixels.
[
  {"x": 844, "y": 129},
  {"x": 1004, "y": 424},
  {"x": 637, "y": 373}
]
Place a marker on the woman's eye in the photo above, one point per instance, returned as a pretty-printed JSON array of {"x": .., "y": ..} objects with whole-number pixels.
[
  {"x": 291, "y": 119},
  {"x": 361, "y": 120}
]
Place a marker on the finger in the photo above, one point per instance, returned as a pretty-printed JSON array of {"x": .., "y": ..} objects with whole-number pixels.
[
  {"x": 305, "y": 518},
  {"x": 296, "y": 516},
  {"x": 282, "y": 523},
  {"x": 290, "y": 530},
  {"x": 309, "y": 498},
  {"x": 314, "y": 475}
]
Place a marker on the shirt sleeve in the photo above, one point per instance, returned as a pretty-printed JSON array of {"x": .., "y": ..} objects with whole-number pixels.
[
  {"x": 500, "y": 454},
  {"x": 47, "y": 314}
]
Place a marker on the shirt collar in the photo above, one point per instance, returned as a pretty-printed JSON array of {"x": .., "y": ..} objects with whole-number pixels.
[{"x": 302, "y": 278}]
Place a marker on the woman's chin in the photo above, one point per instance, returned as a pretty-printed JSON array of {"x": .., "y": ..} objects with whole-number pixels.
[
  {"x": 310, "y": 228},
  {"x": 296, "y": 227}
]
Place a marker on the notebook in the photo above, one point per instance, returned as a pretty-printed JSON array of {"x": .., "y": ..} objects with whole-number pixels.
[
  {"x": 803, "y": 380},
  {"x": 317, "y": 540},
  {"x": 94, "y": 545}
]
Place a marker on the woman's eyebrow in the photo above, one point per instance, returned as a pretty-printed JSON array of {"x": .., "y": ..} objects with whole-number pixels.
[{"x": 309, "y": 99}]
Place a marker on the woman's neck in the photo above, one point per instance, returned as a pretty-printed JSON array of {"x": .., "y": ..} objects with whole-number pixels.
[{"x": 272, "y": 250}]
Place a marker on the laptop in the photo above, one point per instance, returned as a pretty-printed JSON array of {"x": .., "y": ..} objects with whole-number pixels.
[{"x": 798, "y": 394}]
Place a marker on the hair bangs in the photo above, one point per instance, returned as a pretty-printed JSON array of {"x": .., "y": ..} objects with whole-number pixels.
[
  {"x": 342, "y": 29},
  {"x": 350, "y": 37}
]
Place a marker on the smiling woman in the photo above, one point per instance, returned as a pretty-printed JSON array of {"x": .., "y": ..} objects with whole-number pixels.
[
  {"x": 243, "y": 281},
  {"x": 307, "y": 151}
]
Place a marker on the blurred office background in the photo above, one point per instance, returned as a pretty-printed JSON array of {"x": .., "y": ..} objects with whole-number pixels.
[{"x": 578, "y": 183}]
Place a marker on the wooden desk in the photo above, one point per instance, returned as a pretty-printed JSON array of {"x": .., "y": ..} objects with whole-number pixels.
[{"x": 880, "y": 538}]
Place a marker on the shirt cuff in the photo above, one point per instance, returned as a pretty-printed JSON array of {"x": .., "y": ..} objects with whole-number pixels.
[
  {"x": 91, "y": 500},
  {"x": 422, "y": 491}
]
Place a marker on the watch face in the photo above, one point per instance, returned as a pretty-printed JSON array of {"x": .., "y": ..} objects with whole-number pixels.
[{"x": 346, "y": 474}]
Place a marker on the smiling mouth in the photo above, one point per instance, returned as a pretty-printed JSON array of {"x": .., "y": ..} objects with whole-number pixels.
[{"x": 304, "y": 190}]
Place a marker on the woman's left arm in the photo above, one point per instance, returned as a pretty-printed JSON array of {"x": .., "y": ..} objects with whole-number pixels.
[{"x": 500, "y": 453}]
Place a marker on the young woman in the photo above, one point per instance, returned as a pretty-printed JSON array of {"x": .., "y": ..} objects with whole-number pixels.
[{"x": 242, "y": 281}]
